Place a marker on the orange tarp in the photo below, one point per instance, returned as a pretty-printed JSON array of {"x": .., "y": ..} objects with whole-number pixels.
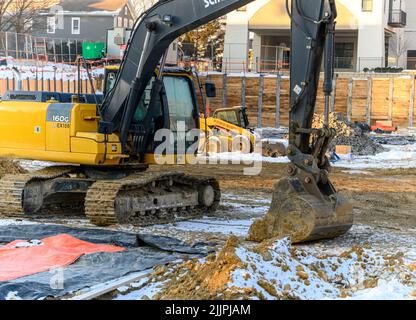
[{"x": 18, "y": 260}]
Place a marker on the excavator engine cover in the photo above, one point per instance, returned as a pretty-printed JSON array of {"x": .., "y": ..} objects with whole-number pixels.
[{"x": 303, "y": 212}]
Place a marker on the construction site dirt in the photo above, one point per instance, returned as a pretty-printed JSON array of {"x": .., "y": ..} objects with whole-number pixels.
[
  {"x": 384, "y": 213},
  {"x": 381, "y": 197}
]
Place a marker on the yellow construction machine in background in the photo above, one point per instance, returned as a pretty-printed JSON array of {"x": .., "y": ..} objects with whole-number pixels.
[{"x": 228, "y": 130}]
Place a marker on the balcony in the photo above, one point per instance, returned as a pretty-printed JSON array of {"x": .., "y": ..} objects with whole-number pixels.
[{"x": 397, "y": 19}]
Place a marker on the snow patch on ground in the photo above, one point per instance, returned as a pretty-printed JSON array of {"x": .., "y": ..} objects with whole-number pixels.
[
  {"x": 13, "y": 296},
  {"x": 386, "y": 290},
  {"x": 210, "y": 225},
  {"x": 301, "y": 275},
  {"x": 282, "y": 271},
  {"x": 144, "y": 292},
  {"x": 395, "y": 158},
  {"x": 13, "y": 222}
]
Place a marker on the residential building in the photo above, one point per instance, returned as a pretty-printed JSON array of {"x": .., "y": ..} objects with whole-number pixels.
[
  {"x": 85, "y": 19},
  {"x": 70, "y": 22},
  {"x": 370, "y": 34},
  {"x": 410, "y": 35}
]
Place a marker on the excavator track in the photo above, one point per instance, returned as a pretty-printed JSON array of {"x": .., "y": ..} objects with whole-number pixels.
[
  {"x": 140, "y": 199},
  {"x": 12, "y": 188},
  {"x": 151, "y": 198}
]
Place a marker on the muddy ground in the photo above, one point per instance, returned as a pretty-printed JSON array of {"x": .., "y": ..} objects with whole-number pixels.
[
  {"x": 382, "y": 198},
  {"x": 385, "y": 222}
]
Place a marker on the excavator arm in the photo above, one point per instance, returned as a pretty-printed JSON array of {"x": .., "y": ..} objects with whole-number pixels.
[
  {"x": 306, "y": 206},
  {"x": 313, "y": 28}
]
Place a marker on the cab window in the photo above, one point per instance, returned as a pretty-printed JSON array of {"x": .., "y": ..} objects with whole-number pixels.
[
  {"x": 228, "y": 116},
  {"x": 110, "y": 81},
  {"x": 181, "y": 101},
  {"x": 144, "y": 103}
]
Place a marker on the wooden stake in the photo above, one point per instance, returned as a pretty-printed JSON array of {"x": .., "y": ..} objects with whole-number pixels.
[
  {"x": 260, "y": 105},
  {"x": 224, "y": 90},
  {"x": 412, "y": 102},
  {"x": 349, "y": 103},
  {"x": 278, "y": 105},
  {"x": 391, "y": 99},
  {"x": 369, "y": 99}
]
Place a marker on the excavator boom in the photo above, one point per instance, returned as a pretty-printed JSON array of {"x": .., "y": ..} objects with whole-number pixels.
[{"x": 306, "y": 206}]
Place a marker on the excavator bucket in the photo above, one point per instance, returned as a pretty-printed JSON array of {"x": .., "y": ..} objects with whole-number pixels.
[{"x": 304, "y": 211}]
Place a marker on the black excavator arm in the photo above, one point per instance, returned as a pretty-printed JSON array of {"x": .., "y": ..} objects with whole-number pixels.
[
  {"x": 305, "y": 205},
  {"x": 313, "y": 28}
]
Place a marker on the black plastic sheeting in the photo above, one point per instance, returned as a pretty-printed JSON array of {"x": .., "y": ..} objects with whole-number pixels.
[
  {"x": 101, "y": 236},
  {"x": 143, "y": 252}
]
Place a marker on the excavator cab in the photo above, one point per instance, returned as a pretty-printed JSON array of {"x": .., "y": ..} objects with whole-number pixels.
[{"x": 180, "y": 108}]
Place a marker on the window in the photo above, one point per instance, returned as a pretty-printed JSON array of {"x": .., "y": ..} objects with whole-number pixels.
[
  {"x": 367, "y": 5},
  {"x": 120, "y": 22},
  {"x": 229, "y": 116},
  {"x": 76, "y": 25},
  {"x": 181, "y": 103},
  {"x": 411, "y": 59},
  {"x": 344, "y": 55},
  {"x": 51, "y": 25}
]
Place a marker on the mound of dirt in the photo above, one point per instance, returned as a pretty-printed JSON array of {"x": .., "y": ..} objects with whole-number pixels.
[
  {"x": 196, "y": 280},
  {"x": 348, "y": 134},
  {"x": 9, "y": 167},
  {"x": 277, "y": 270}
]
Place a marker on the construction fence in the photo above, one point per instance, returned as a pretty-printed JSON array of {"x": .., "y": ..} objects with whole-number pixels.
[
  {"x": 51, "y": 85},
  {"x": 272, "y": 59},
  {"x": 25, "y": 46},
  {"x": 360, "y": 97},
  {"x": 29, "y": 75},
  {"x": 264, "y": 59}
]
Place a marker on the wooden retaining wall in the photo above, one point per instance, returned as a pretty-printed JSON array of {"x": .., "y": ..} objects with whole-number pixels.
[{"x": 360, "y": 97}]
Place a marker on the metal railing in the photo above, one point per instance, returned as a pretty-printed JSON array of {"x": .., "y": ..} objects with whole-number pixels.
[
  {"x": 344, "y": 63},
  {"x": 24, "y": 46},
  {"x": 397, "y": 18}
]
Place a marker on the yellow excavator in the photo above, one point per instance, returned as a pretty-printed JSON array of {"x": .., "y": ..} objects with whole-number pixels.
[{"x": 147, "y": 117}]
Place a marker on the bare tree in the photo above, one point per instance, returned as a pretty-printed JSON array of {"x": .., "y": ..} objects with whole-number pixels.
[
  {"x": 398, "y": 47},
  {"x": 4, "y": 6},
  {"x": 24, "y": 16}
]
